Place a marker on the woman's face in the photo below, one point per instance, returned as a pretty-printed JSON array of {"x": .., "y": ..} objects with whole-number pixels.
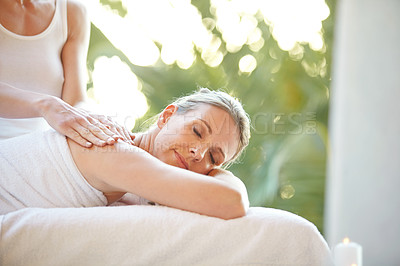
[{"x": 198, "y": 140}]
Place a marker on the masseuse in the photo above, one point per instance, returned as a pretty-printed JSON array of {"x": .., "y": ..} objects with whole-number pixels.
[
  {"x": 178, "y": 163},
  {"x": 43, "y": 47}
]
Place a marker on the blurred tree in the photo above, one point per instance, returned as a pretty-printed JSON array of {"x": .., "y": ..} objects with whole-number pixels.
[{"x": 286, "y": 97}]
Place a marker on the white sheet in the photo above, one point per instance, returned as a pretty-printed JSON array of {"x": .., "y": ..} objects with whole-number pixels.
[
  {"x": 37, "y": 170},
  {"x": 157, "y": 235}
]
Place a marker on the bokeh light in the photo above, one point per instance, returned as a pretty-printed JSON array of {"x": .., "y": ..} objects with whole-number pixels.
[
  {"x": 119, "y": 96},
  {"x": 124, "y": 33},
  {"x": 287, "y": 192},
  {"x": 247, "y": 64},
  {"x": 294, "y": 21},
  {"x": 179, "y": 28},
  {"x": 174, "y": 31}
]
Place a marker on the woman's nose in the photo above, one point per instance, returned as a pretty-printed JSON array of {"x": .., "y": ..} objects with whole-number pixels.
[{"x": 197, "y": 153}]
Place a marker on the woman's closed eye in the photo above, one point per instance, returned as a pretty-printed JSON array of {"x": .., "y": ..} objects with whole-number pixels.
[
  {"x": 212, "y": 158},
  {"x": 197, "y": 132}
]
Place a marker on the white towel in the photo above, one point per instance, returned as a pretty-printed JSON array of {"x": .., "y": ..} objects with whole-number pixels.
[
  {"x": 158, "y": 235},
  {"x": 37, "y": 170}
]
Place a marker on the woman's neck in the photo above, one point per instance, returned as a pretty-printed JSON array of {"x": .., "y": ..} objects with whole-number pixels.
[{"x": 145, "y": 140}]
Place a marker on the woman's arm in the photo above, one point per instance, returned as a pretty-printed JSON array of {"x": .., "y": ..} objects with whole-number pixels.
[
  {"x": 74, "y": 54},
  {"x": 126, "y": 168},
  {"x": 70, "y": 121},
  {"x": 73, "y": 57},
  {"x": 84, "y": 128},
  {"x": 229, "y": 178},
  {"x": 18, "y": 103}
]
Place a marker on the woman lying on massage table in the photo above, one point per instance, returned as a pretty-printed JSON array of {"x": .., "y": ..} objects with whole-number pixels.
[{"x": 175, "y": 163}]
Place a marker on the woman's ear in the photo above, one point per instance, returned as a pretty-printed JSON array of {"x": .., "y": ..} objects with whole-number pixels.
[{"x": 166, "y": 114}]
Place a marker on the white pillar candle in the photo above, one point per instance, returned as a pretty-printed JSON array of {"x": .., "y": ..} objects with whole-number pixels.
[{"x": 347, "y": 254}]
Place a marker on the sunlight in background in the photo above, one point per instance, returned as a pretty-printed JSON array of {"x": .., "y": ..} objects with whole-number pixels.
[
  {"x": 124, "y": 33},
  {"x": 295, "y": 21},
  {"x": 180, "y": 30},
  {"x": 117, "y": 90}
]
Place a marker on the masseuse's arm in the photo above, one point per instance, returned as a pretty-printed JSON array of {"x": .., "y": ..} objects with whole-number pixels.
[
  {"x": 75, "y": 123},
  {"x": 126, "y": 168},
  {"x": 74, "y": 64},
  {"x": 70, "y": 121}
]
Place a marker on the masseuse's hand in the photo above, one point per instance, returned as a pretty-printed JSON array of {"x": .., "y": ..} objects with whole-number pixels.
[
  {"x": 82, "y": 127},
  {"x": 118, "y": 130}
]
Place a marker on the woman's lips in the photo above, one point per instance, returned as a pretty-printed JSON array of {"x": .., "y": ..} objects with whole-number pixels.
[{"x": 181, "y": 160}]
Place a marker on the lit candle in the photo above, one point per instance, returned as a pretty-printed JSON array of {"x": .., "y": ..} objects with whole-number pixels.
[{"x": 347, "y": 254}]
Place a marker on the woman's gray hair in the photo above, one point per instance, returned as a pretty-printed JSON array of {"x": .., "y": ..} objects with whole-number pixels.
[{"x": 226, "y": 102}]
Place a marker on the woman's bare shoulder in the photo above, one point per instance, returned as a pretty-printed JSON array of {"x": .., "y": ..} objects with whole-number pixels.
[
  {"x": 108, "y": 155},
  {"x": 100, "y": 164}
]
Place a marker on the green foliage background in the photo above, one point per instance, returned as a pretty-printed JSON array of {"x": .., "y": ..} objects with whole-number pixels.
[{"x": 287, "y": 98}]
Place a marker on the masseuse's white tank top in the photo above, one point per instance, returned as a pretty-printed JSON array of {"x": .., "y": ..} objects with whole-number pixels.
[{"x": 33, "y": 63}]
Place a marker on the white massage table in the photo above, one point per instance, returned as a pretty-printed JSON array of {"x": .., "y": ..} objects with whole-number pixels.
[{"x": 157, "y": 235}]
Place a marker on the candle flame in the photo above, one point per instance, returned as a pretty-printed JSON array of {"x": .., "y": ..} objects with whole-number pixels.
[
  {"x": 353, "y": 264},
  {"x": 346, "y": 240}
]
